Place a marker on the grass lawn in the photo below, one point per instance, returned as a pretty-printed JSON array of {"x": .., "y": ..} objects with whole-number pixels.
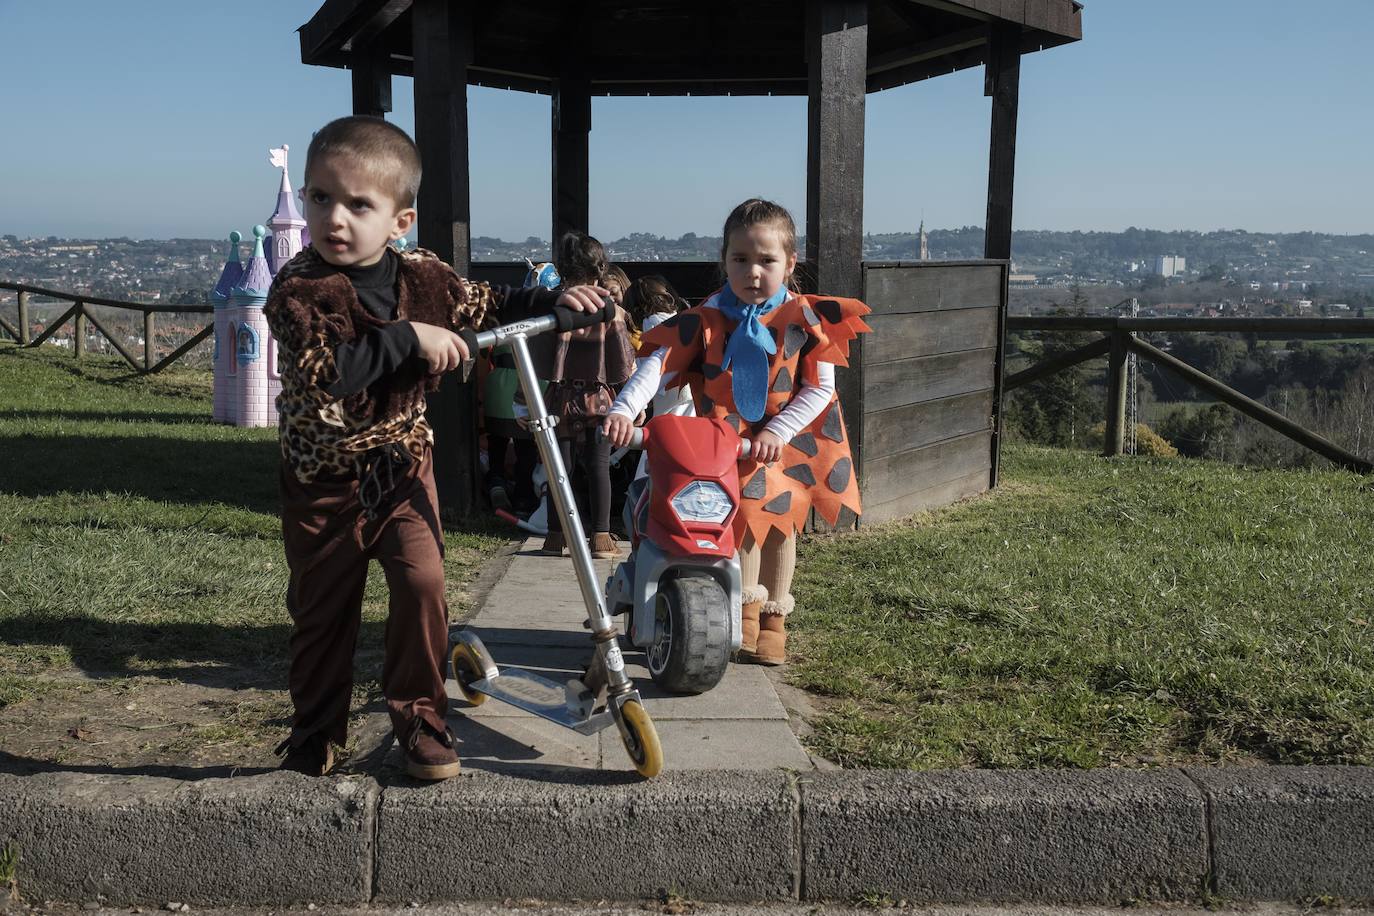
[
  {"x": 1089, "y": 613},
  {"x": 140, "y": 553},
  {"x": 1100, "y": 612}
]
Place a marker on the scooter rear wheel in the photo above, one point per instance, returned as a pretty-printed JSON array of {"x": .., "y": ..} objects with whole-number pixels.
[
  {"x": 690, "y": 649},
  {"x": 471, "y": 663},
  {"x": 641, "y": 739}
]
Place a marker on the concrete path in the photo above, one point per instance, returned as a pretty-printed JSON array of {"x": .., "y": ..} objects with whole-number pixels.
[{"x": 532, "y": 618}]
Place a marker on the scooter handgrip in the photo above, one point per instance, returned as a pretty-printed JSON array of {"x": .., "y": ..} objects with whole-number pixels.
[
  {"x": 470, "y": 339},
  {"x": 746, "y": 447},
  {"x": 568, "y": 320}
]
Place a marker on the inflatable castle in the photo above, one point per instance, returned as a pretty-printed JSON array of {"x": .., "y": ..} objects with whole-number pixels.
[{"x": 247, "y": 380}]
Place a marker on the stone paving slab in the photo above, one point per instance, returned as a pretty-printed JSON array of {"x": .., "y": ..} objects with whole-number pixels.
[
  {"x": 531, "y": 620},
  {"x": 716, "y": 744}
]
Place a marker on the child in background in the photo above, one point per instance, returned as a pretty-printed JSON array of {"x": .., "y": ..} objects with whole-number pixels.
[
  {"x": 762, "y": 358},
  {"x": 588, "y": 367},
  {"x": 650, "y": 302},
  {"x": 618, "y": 282},
  {"x": 363, "y": 332},
  {"x": 505, "y": 434}
]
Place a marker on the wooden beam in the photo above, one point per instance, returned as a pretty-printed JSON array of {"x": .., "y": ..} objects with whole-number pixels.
[
  {"x": 837, "y": 61},
  {"x": 975, "y": 37},
  {"x": 371, "y": 74},
  {"x": 931, "y": 67},
  {"x": 1060, "y": 17},
  {"x": 442, "y": 39},
  {"x": 1002, "y": 82},
  {"x": 571, "y": 106},
  {"x": 339, "y": 24}
]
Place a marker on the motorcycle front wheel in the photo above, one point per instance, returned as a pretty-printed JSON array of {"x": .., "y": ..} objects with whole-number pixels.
[{"x": 691, "y": 644}]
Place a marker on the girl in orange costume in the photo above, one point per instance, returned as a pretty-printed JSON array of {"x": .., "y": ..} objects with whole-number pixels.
[{"x": 762, "y": 358}]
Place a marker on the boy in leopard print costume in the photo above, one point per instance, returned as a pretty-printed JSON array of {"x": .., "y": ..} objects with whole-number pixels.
[{"x": 363, "y": 332}]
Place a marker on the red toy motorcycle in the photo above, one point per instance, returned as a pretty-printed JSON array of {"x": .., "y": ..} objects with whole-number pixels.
[{"x": 680, "y": 586}]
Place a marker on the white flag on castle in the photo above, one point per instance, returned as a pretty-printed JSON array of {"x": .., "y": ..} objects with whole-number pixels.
[{"x": 278, "y": 156}]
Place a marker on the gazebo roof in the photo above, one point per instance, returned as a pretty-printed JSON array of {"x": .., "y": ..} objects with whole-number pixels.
[{"x": 687, "y": 47}]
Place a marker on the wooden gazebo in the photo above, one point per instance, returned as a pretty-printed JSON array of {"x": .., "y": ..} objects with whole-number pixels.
[{"x": 923, "y": 394}]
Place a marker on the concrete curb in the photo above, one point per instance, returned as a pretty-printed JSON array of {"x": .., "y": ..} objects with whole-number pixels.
[
  {"x": 254, "y": 840},
  {"x": 1101, "y": 836}
]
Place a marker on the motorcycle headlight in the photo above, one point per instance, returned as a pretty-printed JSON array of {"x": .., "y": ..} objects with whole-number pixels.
[{"x": 702, "y": 501}]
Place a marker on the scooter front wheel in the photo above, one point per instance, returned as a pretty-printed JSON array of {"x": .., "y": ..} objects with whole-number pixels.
[
  {"x": 641, "y": 739},
  {"x": 471, "y": 663}
]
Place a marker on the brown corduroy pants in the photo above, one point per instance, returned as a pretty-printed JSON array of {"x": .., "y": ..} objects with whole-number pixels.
[{"x": 329, "y": 542}]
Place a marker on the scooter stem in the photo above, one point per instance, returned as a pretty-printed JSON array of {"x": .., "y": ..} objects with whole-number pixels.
[{"x": 545, "y": 437}]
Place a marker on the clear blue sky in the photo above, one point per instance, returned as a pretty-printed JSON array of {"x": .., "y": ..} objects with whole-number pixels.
[{"x": 153, "y": 119}]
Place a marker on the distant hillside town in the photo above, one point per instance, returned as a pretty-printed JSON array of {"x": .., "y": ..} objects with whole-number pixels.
[{"x": 1177, "y": 273}]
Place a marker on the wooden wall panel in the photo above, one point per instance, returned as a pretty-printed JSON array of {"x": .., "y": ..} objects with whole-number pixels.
[
  {"x": 900, "y": 382},
  {"x": 896, "y": 476},
  {"x": 901, "y": 289},
  {"x": 932, "y": 497},
  {"x": 924, "y": 333},
  {"x": 915, "y": 425}
]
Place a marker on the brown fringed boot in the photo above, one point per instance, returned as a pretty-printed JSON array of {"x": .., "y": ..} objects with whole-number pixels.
[
  {"x": 772, "y": 642},
  {"x": 751, "y": 602}
]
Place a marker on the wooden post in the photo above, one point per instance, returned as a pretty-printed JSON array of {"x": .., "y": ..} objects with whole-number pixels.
[
  {"x": 79, "y": 341},
  {"x": 1113, "y": 440},
  {"x": 24, "y": 334},
  {"x": 149, "y": 342},
  {"x": 572, "y": 127},
  {"x": 442, "y": 40},
  {"x": 1002, "y": 81},
  {"x": 837, "y": 67},
  {"x": 371, "y": 81}
]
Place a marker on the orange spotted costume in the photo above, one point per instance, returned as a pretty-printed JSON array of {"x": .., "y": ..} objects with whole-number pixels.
[{"x": 815, "y": 468}]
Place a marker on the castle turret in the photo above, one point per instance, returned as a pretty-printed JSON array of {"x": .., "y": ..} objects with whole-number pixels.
[
  {"x": 219, "y": 298},
  {"x": 286, "y": 223},
  {"x": 254, "y": 382}
]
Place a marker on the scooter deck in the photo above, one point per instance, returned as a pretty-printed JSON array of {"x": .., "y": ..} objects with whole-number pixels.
[{"x": 544, "y": 698}]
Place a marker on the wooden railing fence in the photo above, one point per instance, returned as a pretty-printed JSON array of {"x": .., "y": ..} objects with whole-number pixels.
[
  {"x": 1121, "y": 339},
  {"x": 80, "y": 314}
]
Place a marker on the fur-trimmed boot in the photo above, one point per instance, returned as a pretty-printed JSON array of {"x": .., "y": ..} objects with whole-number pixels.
[
  {"x": 751, "y": 602},
  {"x": 771, "y": 648}
]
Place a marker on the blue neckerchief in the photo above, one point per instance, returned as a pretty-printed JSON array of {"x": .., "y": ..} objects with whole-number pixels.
[{"x": 748, "y": 349}]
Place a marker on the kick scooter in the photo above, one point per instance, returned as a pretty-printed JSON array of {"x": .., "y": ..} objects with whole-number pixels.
[{"x": 572, "y": 705}]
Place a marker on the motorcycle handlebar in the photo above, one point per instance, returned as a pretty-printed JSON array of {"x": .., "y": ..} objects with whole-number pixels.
[{"x": 637, "y": 441}]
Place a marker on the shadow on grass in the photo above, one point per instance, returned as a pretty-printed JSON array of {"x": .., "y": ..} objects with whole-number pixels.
[
  {"x": 234, "y": 473},
  {"x": 208, "y": 655}
]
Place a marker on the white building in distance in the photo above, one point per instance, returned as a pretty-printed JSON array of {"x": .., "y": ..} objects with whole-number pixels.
[{"x": 1170, "y": 265}]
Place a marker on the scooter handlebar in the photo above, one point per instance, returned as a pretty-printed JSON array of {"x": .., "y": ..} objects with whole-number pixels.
[{"x": 560, "y": 319}]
